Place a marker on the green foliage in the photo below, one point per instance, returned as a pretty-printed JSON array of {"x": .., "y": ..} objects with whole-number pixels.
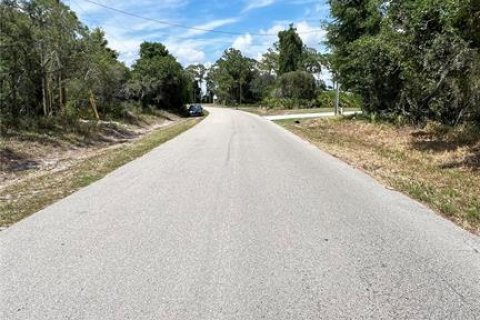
[
  {"x": 415, "y": 59},
  {"x": 197, "y": 75},
  {"x": 101, "y": 77},
  {"x": 283, "y": 76},
  {"x": 295, "y": 65},
  {"x": 262, "y": 85},
  {"x": 231, "y": 77},
  {"x": 270, "y": 62},
  {"x": 311, "y": 60},
  {"x": 291, "y": 48},
  {"x": 296, "y": 85},
  {"x": 39, "y": 41},
  {"x": 158, "y": 79},
  {"x": 52, "y": 66},
  {"x": 151, "y": 50}
]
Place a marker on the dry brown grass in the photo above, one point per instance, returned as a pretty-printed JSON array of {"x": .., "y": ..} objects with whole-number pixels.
[
  {"x": 435, "y": 165},
  {"x": 274, "y": 112}
]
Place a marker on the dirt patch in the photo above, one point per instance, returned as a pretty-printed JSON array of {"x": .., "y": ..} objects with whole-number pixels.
[
  {"x": 24, "y": 155},
  {"x": 11, "y": 161}
]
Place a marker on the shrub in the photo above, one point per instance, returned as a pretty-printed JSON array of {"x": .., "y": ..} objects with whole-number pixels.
[{"x": 297, "y": 85}]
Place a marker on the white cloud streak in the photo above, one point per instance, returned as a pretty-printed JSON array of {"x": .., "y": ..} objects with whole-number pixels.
[
  {"x": 255, "y": 4},
  {"x": 212, "y": 25}
]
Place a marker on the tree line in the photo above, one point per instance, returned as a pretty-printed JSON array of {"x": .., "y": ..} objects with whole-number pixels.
[
  {"x": 285, "y": 76},
  {"x": 53, "y": 66},
  {"x": 414, "y": 59}
]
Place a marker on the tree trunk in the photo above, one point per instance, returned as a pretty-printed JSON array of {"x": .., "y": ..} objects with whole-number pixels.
[
  {"x": 50, "y": 97},
  {"x": 44, "y": 95},
  {"x": 94, "y": 105},
  {"x": 60, "y": 92},
  {"x": 44, "y": 82}
]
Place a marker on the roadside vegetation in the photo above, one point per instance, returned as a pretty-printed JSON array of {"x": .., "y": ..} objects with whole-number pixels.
[
  {"x": 55, "y": 71},
  {"x": 437, "y": 164},
  {"x": 70, "y": 110},
  {"x": 39, "y": 169},
  {"x": 414, "y": 60},
  {"x": 415, "y": 68}
]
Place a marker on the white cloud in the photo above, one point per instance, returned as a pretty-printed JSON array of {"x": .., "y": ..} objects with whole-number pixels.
[
  {"x": 255, "y": 45},
  {"x": 255, "y": 4},
  {"x": 188, "y": 55},
  {"x": 209, "y": 26},
  {"x": 125, "y": 33},
  {"x": 128, "y": 49},
  {"x": 312, "y": 36},
  {"x": 243, "y": 42}
]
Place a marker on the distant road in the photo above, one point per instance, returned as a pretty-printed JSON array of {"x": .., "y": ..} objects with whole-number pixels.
[
  {"x": 308, "y": 115},
  {"x": 238, "y": 219}
]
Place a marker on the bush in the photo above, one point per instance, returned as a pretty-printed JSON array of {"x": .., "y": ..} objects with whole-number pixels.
[{"x": 297, "y": 85}]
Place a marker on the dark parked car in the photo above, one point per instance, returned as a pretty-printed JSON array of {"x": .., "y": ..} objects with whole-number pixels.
[{"x": 195, "y": 110}]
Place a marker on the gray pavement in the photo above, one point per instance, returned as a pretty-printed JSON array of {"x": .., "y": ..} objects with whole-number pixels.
[{"x": 238, "y": 219}]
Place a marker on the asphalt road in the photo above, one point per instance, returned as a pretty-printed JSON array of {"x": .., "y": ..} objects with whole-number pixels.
[{"x": 238, "y": 219}]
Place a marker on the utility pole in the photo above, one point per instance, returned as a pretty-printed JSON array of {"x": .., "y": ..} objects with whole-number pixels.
[
  {"x": 337, "y": 98},
  {"x": 240, "y": 84}
]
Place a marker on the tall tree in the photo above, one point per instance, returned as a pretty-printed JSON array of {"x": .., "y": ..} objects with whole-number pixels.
[
  {"x": 158, "y": 79},
  {"x": 197, "y": 74},
  {"x": 100, "y": 78},
  {"x": 291, "y": 48},
  {"x": 232, "y": 75},
  {"x": 269, "y": 62}
]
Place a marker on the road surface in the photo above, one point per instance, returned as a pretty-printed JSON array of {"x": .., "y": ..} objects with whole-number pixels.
[
  {"x": 307, "y": 115},
  {"x": 238, "y": 219}
]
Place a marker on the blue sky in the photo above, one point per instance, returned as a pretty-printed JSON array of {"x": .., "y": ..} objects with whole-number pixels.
[{"x": 256, "y": 21}]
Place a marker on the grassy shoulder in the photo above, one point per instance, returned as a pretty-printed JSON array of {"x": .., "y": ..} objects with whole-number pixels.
[
  {"x": 274, "y": 112},
  {"x": 437, "y": 166},
  {"x": 24, "y": 196}
]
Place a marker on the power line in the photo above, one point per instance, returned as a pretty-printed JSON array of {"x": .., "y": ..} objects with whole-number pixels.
[
  {"x": 178, "y": 25},
  {"x": 98, "y": 23}
]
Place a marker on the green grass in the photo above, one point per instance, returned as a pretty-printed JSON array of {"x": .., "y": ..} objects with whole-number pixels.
[{"x": 22, "y": 199}]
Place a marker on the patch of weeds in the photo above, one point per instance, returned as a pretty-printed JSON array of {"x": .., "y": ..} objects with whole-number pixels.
[
  {"x": 447, "y": 208},
  {"x": 473, "y": 213},
  {"x": 86, "y": 179}
]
